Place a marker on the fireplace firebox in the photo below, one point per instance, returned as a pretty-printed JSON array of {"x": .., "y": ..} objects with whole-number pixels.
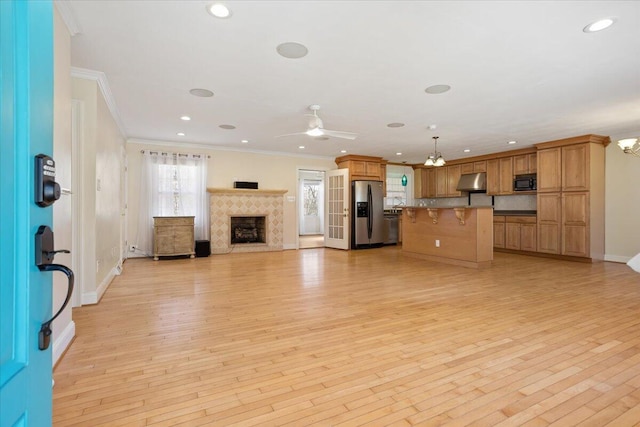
[{"x": 248, "y": 229}]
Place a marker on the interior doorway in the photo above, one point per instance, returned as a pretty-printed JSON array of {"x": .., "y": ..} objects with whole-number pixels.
[{"x": 311, "y": 208}]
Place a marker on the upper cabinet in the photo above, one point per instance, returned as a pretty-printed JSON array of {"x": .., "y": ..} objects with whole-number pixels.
[
  {"x": 453, "y": 176},
  {"x": 363, "y": 167},
  {"x": 500, "y": 176},
  {"x": 525, "y": 164},
  {"x": 549, "y": 167},
  {"x": 575, "y": 167}
]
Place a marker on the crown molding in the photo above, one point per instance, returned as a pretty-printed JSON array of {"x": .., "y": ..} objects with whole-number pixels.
[
  {"x": 176, "y": 144},
  {"x": 68, "y": 17},
  {"x": 103, "y": 84}
]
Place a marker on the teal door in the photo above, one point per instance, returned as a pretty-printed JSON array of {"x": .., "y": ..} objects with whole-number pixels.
[{"x": 26, "y": 129}]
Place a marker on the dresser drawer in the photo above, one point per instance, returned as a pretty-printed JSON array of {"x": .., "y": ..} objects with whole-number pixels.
[{"x": 160, "y": 221}]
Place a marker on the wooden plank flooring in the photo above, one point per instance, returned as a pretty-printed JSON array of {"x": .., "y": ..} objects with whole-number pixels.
[{"x": 326, "y": 337}]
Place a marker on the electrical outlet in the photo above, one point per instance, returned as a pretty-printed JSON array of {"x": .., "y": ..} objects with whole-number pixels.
[
  {"x": 437, "y": 243},
  {"x": 132, "y": 248}
]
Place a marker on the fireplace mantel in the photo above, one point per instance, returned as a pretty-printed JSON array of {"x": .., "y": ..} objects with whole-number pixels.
[{"x": 245, "y": 191}]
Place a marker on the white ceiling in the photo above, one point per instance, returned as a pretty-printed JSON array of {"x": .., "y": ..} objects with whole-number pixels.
[{"x": 519, "y": 70}]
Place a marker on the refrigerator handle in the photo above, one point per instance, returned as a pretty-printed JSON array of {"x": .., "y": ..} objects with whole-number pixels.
[{"x": 370, "y": 212}]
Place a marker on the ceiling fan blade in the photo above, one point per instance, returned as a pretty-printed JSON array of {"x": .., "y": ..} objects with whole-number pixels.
[
  {"x": 340, "y": 134},
  {"x": 291, "y": 134}
]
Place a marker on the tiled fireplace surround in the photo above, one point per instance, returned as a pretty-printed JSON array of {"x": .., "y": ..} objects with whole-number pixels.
[{"x": 228, "y": 202}]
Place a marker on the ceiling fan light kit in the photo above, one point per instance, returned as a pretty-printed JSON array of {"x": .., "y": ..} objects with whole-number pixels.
[{"x": 316, "y": 128}]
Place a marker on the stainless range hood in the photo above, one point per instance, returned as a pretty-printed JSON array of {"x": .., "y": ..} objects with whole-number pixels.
[{"x": 473, "y": 182}]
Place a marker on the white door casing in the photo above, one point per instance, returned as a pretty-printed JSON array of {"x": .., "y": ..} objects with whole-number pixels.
[{"x": 336, "y": 228}]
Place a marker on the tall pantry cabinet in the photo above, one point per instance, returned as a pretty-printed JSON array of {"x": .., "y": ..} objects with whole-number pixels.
[{"x": 570, "y": 196}]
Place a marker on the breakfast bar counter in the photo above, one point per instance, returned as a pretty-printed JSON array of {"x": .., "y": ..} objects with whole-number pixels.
[{"x": 459, "y": 235}]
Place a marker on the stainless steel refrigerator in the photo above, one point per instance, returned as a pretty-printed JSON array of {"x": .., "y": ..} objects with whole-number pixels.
[{"x": 367, "y": 219}]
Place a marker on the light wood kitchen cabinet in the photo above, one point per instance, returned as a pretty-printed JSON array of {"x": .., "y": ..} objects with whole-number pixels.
[
  {"x": 441, "y": 182},
  {"x": 425, "y": 183},
  {"x": 500, "y": 176},
  {"x": 363, "y": 167},
  {"x": 480, "y": 166},
  {"x": 493, "y": 177},
  {"x": 173, "y": 235},
  {"x": 418, "y": 180},
  {"x": 453, "y": 176},
  {"x": 549, "y": 170},
  {"x": 498, "y": 231},
  {"x": 506, "y": 175},
  {"x": 549, "y": 222},
  {"x": 575, "y": 223},
  {"x": 575, "y": 168},
  {"x": 429, "y": 183},
  {"x": 520, "y": 233},
  {"x": 525, "y": 164}
]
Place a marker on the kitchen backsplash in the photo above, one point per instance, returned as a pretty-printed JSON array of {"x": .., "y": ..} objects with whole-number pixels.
[{"x": 501, "y": 203}]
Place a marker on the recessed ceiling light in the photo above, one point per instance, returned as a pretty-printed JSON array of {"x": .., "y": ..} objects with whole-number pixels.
[
  {"x": 436, "y": 89},
  {"x": 432, "y": 127},
  {"x": 245, "y": 141},
  {"x": 301, "y": 147},
  {"x": 395, "y": 125},
  {"x": 466, "y": 150},
  {"x": 219, "y": 10},
  {"x": 343, "y": 151},
  {"x": 511, "y": 142},
  {"x": 398, "y": 154},
  {"x": 599, "y": 25},
  {"x": 185, "y": 118},
  {"x": 180, "y": 134},
  {"x": 292, "y": 50},
  {"x": 227, "y": 126},
  {"x": 202, "y": 93}
]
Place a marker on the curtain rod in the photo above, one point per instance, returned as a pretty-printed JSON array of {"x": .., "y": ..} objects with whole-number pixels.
[{"x": 164, "y": 153}]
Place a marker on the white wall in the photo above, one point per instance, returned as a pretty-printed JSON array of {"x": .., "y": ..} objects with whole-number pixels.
[
  {"x": 622, "y": 203},
  {"x": 100, "y": 194},
  {"x": 63, "y": 326},
  {"x": 225, "y": 167}
]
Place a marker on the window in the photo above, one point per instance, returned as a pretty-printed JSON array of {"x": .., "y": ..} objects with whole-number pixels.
[
  {"x": 172, "y": 185},
  {"x": 397, "y": 194}
]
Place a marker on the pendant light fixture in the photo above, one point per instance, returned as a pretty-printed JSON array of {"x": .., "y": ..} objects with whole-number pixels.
[{"x": 435, "y": 158}]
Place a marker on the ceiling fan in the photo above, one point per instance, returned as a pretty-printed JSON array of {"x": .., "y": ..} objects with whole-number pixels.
[{"x": 316, "y": 128}]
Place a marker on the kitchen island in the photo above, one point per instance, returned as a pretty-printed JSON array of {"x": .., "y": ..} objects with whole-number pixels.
[{"x": 459, "y": 235}]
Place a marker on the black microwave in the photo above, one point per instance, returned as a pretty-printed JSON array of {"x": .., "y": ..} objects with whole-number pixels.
[{"x": 525, "y": 183}]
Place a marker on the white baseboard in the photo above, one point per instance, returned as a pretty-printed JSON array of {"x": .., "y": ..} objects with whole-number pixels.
[
  {"x": 289, "y": 246},
  {"x": 617, "y": 258},
  {"x": 94, "y": 297},
  {"x": 63, "y": 341}
]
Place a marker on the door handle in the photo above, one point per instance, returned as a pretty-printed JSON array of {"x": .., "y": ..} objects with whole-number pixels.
[
  {"x": 44, "y": 337},
  {"x": 44, "y": 260}
]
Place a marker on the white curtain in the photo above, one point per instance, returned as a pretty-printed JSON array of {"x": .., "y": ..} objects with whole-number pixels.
[{"x": 172, "y": 184}]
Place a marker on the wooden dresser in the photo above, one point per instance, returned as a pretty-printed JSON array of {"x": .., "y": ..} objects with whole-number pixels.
[{"x": 173, "y": 235}]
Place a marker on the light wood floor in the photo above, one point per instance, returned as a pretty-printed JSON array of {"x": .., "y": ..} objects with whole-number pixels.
[
  {"x": 326, "y": 337},
  {"x": 311, "y": 241}
]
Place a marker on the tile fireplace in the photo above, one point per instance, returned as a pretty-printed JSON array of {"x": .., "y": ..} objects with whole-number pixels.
[{"x": 246, "y": 220}]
